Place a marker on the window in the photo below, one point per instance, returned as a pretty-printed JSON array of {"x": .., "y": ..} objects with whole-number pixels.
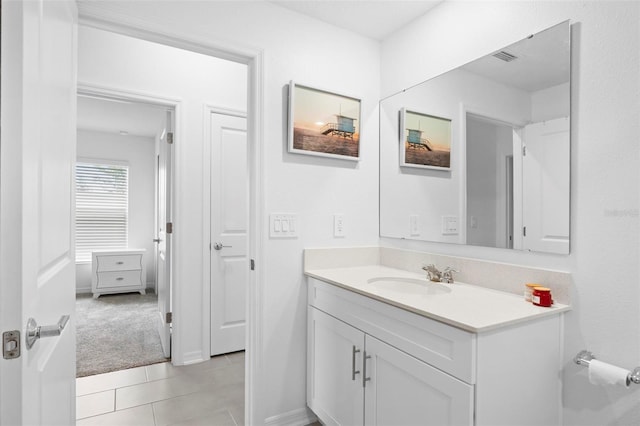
[{"x": 102, "y": 201}]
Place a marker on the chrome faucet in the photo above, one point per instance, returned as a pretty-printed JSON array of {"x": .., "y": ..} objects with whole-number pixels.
[
  {"x": 432, "y": 272},
  {"x": 447, "y": 275}
]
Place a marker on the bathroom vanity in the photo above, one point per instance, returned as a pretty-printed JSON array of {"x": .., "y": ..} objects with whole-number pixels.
[{"x": 386, "y": 346}]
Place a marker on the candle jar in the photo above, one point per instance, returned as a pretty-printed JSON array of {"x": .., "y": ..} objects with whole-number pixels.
[
  {"x": 541, "y": 296},
  {"x": 528, "y": 291}
]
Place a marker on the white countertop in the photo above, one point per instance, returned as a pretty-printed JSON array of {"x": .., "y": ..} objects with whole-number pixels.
[{"x": 469, "y": 307}]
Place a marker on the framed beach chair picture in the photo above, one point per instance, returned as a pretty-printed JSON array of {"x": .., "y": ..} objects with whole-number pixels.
[
  {"x": 323, "y": 123},
  {"x": 425, "y": 141}
]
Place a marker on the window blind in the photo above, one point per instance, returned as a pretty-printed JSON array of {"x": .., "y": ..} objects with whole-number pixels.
[{"x": 102, "y": 201}]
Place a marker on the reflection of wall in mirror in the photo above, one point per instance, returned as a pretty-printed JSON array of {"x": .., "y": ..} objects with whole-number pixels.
[{"x": 433, "y": 194}]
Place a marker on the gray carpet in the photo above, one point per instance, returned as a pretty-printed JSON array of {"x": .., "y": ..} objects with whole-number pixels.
[{"x": 115, "y": 332}]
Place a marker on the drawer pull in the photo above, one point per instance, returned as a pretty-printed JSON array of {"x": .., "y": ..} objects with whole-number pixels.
[
  {"x": 354, "y": 351},
  {"x": 120, "y": 263},
  {"x": 119, "y": 279}
]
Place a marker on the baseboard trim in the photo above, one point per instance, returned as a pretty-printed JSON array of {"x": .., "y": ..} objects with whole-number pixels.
[
  {"x": 299, "y": 417},
  {"x": 194, "y": 357}
]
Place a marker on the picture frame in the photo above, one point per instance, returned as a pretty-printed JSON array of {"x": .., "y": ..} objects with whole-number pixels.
[
  {"x": 323, "y": 123},
  {"x": 425, "y": 140}
]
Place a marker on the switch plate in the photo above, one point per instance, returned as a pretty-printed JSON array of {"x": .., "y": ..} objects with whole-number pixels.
[
  {"x": 338, "y": 225},
  {"x": 283, "y": 225},
  {"x": 449, "y": 225}
]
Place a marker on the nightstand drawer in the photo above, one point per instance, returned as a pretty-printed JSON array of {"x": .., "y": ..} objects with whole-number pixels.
[
  {"x": 119, "y": 262},
  {"x": 115, "y": 279}
]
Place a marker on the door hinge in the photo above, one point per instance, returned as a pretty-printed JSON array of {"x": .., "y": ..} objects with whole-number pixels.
[
  {"x": 170, "y": 138},
  {"x": 169, "y": 228},
  {"x": 252, "y": 264},
  {"x": 524, "y": 231},
  {"x": 524, "y": 151},
  {"x": 169, "y": 317},
  {"x": 11, "y": 344}
]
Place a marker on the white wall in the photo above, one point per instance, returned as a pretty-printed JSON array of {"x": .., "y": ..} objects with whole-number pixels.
[
  {"x": 550, "y": 103},
  {"x": 312, "y": 53},
  {"x": 605, "y": 171},
  {"x": 138, "y": 153}
]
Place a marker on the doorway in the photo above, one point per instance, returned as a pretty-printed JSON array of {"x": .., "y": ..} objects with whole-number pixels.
[
  {"x": 122, "y": 245},
  {"x": 191, "y": 300}
]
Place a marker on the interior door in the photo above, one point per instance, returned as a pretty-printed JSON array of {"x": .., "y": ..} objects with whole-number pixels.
[
  {"x": 37, "y": 256},
  {"x": 163, "y": 237},
  {"x": 545, "y": 183},
  {"x": 229, "y": 223}
]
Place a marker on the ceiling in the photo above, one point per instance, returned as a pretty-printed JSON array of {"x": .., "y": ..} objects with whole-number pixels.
[
  {"x": 371, "y": 18},
  {"x": 115, "y": 116},
  {"x": 543, "y": 60}
]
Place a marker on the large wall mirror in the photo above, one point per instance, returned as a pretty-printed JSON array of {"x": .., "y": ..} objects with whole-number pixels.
[{"x": 505, "y": 181}]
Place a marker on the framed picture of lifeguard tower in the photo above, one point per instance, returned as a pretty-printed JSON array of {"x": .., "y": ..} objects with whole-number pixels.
[
  {"x": 425, "y": 141},
  {"x": 323, "y": 123}
]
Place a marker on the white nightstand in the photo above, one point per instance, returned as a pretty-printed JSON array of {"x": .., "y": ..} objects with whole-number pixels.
[{"x": 118, "y": 271}]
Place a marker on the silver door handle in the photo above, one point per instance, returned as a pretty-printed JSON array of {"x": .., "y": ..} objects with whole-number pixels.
[
  {"x": 156, "y": 240},
  {"x": 220, "y": 246},
  {"x": 35, "y": 331}
]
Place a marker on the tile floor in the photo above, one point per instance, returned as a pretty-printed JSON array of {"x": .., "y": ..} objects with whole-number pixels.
[{"x": 209, "y": 393}]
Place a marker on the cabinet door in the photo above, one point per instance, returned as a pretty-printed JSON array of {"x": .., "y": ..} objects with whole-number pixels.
[
  {"x": 334, "y": 382},
  {"x": 403, "y": 390}
]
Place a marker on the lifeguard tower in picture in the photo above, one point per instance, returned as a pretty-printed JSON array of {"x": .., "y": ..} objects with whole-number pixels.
[
  {"x": 344, "y": 127},
  {"x": 415, "y": 140}
]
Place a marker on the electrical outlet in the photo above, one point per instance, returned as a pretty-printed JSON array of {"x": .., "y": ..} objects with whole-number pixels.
[
  {"x": 338, "y": 225},
  {"x": 414, "y": 230}
]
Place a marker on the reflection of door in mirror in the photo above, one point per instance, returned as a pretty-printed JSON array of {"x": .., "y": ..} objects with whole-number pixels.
[
  {"x": 489, "y": 182},
  {"x": 545, "y": 180}
]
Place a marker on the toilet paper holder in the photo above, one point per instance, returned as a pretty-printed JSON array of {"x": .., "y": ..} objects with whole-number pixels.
[{"x": 584, "y": 357}]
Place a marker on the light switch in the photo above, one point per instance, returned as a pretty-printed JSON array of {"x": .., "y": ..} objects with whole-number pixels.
[
  {"x": 283, "y": 225},
  {"x": 449, "y": 225}
]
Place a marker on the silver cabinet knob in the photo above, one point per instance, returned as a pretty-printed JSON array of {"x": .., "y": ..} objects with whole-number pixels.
[
  {"x": 220, "y": 246},
  {"x": 156, "y": 240},
  {"x": 35, "y": 331}
]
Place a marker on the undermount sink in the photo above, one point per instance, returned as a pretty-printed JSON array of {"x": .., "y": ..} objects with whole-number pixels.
[{"x": 409, "y": 285}]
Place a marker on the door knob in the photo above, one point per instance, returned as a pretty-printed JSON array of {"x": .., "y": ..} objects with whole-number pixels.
[
  {"x": 220, "y": 246},
  {"x": 35, "y": 331}
]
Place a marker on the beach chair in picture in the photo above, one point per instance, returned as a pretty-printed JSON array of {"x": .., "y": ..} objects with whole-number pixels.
[
  {"x": 415, "y": 140},
  {"x": 344, "y": 127}
]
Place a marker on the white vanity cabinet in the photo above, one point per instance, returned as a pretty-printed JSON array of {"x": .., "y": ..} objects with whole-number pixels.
[
  {"x": 118, "y": 271},
  {"x": 351, "y": 368},
  {"x": 370, "y": 363}
]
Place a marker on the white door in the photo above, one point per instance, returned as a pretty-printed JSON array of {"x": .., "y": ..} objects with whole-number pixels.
[
  {"x": 402, "y": 390},
  {"x": 37, "y": 255},
  {"x": 334, "y": 383},
  {"x": 229, "y": 238},
  {"x": 163, "y": 238},
  {"x": 545, "y": 183}
]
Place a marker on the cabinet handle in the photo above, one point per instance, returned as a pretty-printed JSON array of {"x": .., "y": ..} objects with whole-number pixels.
[
  {"x": 119, "y": 279},
  {"x": 120, "y": 263},
  {"x": 365, "y": 379},
  {"x": 354, "y": 351}
]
